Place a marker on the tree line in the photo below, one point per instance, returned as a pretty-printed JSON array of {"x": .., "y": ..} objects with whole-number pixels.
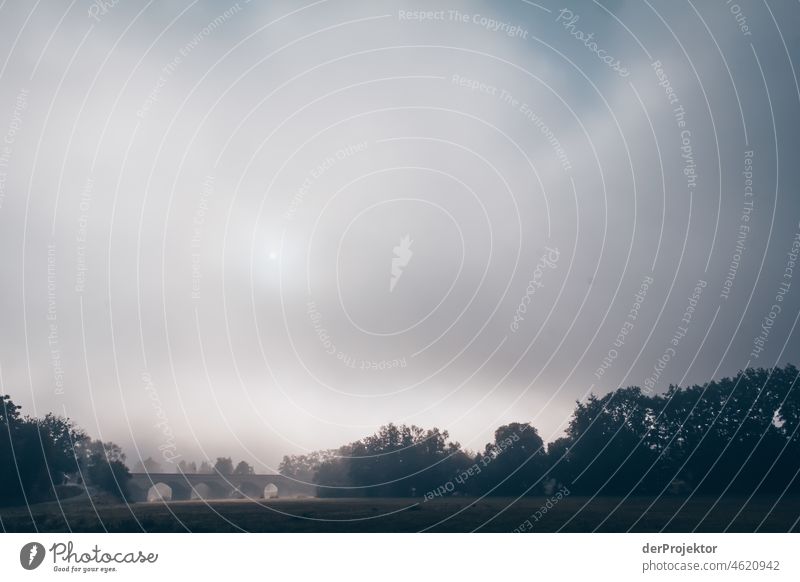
[
  {"x": 37, "y": 455},
  {"x": 737, "y": 435},
  {"x": 222, "y": 466},
  {"x": 732, "y": 436}
]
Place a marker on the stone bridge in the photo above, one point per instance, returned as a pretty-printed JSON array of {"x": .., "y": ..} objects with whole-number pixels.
[{"x": 185, "y": 486}]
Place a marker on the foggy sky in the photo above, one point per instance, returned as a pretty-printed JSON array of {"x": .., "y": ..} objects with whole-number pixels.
[{"x": 200, "y": 202}]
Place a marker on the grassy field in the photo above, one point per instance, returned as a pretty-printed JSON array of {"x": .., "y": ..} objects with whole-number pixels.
[{"x": 572, "y": 514}]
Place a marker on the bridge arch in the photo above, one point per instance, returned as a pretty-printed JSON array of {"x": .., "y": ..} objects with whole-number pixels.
[
  {"x": 159, "y": 492},
  {"x": 270, "y": 491}
]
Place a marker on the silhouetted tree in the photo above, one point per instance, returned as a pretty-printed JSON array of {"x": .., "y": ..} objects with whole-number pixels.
[
  {"x": 243, "y": 468},
  {"x": 103, "y": 466},
  {"x": 396, "y": 461},
  {"x": 514, "y": 464},
  {"x": 305, "y": 467},
  {"x": 35, "y": 454},
  {"x": 223, "y": 466},
  {"x": 188, "y": 468},
  {"x": 65, "y": 436},
  {"x": 609, "y": 440},
  {"x": 734, "y": 435}
]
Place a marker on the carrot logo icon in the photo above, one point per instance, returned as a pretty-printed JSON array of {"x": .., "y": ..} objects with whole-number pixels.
[
  {"x": 31, "y": 555},
  {"x": 402, "y": 255}
]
